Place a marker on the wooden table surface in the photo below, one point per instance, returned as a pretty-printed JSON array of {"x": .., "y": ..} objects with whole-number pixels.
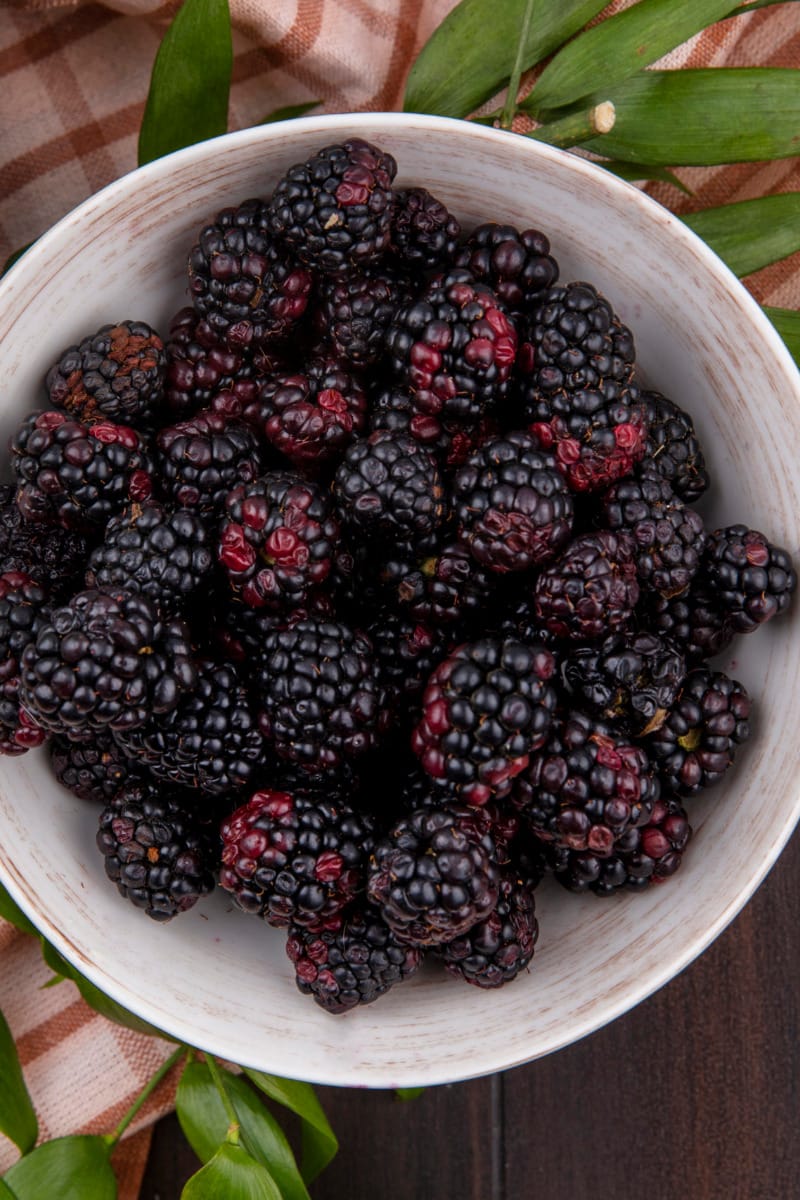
[{"x": 691, "y": 1096}]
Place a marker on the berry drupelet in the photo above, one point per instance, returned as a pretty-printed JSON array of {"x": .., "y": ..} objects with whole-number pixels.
[
  {"x": 388, "y": 487},
  {"x": 499, "y": 947},
  {"x": 200, "y": 460},
  {"x": 93, "y": 770},
  {"x": 354, "y": 311},
  {"x": 517, "y": 266},
  {"x": 591, "y": 590},
  {"x": 116, "y": 374},
  {"x": 630, "y": 679},
  {"x": 672, "y": 448},
  {"x": 53, "y": 557},
  {"x": 752, "y": 579},
  {"x": 424, "y": 235},
  {"x": 312, "y": 416},
  {"x": 24, "y": 609}
]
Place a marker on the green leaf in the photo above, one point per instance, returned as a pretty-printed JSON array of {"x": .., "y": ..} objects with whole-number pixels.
[
  {"x": 231, "y": 1175},
  {"x": 751, "y": 234},
  {"x": 787, "y": 323},
  {"x": 470, "y": 55},
  {"x": 11, "y": 912},
  {"x": 17, "y": 1118},
  {"x": 319, "y": 1144},
  {"x": 6, "y": 1192},
  {"x": 633, "y": 172},
  {"x": 289, "y": 112},
  {"x": 191, "y": 80},
  {"x": 69, "y": 1168},
  {"x": 703, "y": 117},
  {"x": 99, "y": 1001},
  {"x": 12, "y": 258},
  {"x": 408, "y": 1093},
  {"x": 205, "y": 1123}
]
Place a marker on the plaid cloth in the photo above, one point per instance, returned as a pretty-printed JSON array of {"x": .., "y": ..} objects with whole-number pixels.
[{"x": 74, "y": 79}]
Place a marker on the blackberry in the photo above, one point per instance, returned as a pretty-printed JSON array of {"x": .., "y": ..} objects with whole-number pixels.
[
  {"x": 695, "y": 621},
  {"x": 164, "y": 554},
  {"x": 672, "y": 447},
  {"x": 393, "y": 409},
  {"x": 587, "y": 786},
  {"x": 245, "y": 285},
  {"x": 116, "y": 374},
  {"x": 517, "y": 266},
  {"x": 94, "y": 770},
  {"x": 159, "y": 851},
  {"x": 440, "y": 584},
  {"x": 238, "y": 631},
  {"x": 294, "y": 860},
  {"x": 697, "y": 741},
  {"x": 641, "y": 857},
  {"x": 200, "y": 368},
  {"x": 752, "y": 579},
  {"x": 453, "y": 347},
  {"x": 105, "y": 662},
  {"x": 24, "y": 609},
  {"x": 352, "y": 960},
  {"x": 322, "y": 702},
  {"x": 669, "y": 537},
  {"x": 591, "y": 590},
  {"x": 53, "y": 557},
  {"x": 334, "y": 210},
  {"x": 277, "y": 539},
  {"x": 424, "y": 235},
  {"x": 355, "y": 311},
  {"x": 513, "y": 508},
  {"x": 77, "y": 475},
  {"x": 387, "y": 486},
  {"x": 313, "y": 415},
  {"x": 484, "y": 711},
  {"x": 628, "y": 678},
  {"x": 406, "y": 652},
  {"x": 499, "y": 947},
  {"x": 204, "y": 458},
  {"x": 433, "y": 877}
]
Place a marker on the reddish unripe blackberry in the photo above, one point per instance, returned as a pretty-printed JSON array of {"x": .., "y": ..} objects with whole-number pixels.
[
  {"x": 452, "y": 442},
  {"x": 52, "y": 556},
  {"x": 77, "y": 475},
  {"x": 453, "y": 347},
  {"x": 517, "y": 266},
  {"x": 587, "y": 786},
  {"x": 200, "y": 460},
  {"x": 629, "y": 678},
  {"x": 277, "y": 539},
  {"x": 387, "y": 486},
  {"x": 484, "y": 711},
  {"x": 591, "y": 590},
  {"x": 514, "y": 509},
  {"x": 669, "y": 537},
  {"x": 116, "y": 374},
  {"x": 672, "y": 447},
  {"x": 164, "y": 554},
  {"x": 334, "y": 209},
  {"x": 94, "y": 770},
  {"x": 697, "y": 741},
  {"x": 424, "y": 234},
  {"x": 440, "y": 584},
  {"x": 322, "y": 701},
  {"x": 499, "y": 947},
  {"x": 752, "y": 579},
  {"x": 354, "y": 312},
  {"x": 294, "y": 860},
  {"x": 105, "y": 662},
  {"x": 243, "y": 282},
  {"x": 24, "y": 609},
  {"x": 160, "y": 851},
  {"x": 313, "y": 415},
  {"x": 432, "y": 878},
  {"x": 696, "y": 621},
  {"x": 353, "y": 959},
  {"x": 200, "y": 368}
]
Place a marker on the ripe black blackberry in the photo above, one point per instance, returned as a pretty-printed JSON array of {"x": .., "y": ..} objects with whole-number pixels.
[
  {"x": 94, "y": 770},
  {"x": 587, "y": 786},
  {"x": 697, "y": 741},
  {"x": 406, "y": 651},
  {"x": 439, "y": 584},
  {"x": 355, "y": 310},
  {"x": 200, "y": 460},
  {"x": 200, "y": 368},
  {"x": 424, "y": 234},
  {"x": 669, "y": 537},
  {"x": 517, "y": 266},
  {"x": 433, "y": 878},
  {"x": 352, "y": 960},
  {"x": 591, "y": 590},
  {"x": 393, "y": 409},
  {"x": 116, "y": 374},
  {"x": 159, "y": 850},
  {"x": 672, "y": 447},
  {"x": 52, "y": 556},
  {"x": 334, "y": 210},
  {"x": 277, "y": 540},
  {"x": 630, "y": 679},
  {"x": 388, "y": 486},
  {"x": 311, "y": 416},
  {"x": 752, "y": 579},
  {"x": 513, "y": 508},
  {"x": 24, "y": 609},
  {"x": 105, "y": 662},
  {"x": 292, "y": 859},
  {"x": 696, "y": 621},
  {"x": 321, "y": 699},
  {"x": 77, "y": 475},
  {"x": 244, "y": 283},
  {"x": 210, "y": 740},
  {"x": 165, "y": 554},
  {"x": 484, "y": 711},
  {"x": 453, "y": 347},
  {"x": 499, "y": 947}
]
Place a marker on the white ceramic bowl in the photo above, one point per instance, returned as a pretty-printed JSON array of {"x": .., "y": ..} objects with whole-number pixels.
[{"x": 220, "y": 980}]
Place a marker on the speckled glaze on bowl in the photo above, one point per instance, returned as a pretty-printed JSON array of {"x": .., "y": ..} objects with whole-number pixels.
[{"x": 220, "y": 980}]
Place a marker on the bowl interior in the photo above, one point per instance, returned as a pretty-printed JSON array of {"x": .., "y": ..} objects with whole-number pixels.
[{"x": 220, "y": 980}]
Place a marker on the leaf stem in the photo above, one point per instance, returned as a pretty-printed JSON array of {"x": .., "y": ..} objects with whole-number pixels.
[
  {"x": 510, "y": 106},
  {"x": 144, "y": 1095},
  {"x": 578, "y": 127},
  {"x": 233, "y": 1128}
]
